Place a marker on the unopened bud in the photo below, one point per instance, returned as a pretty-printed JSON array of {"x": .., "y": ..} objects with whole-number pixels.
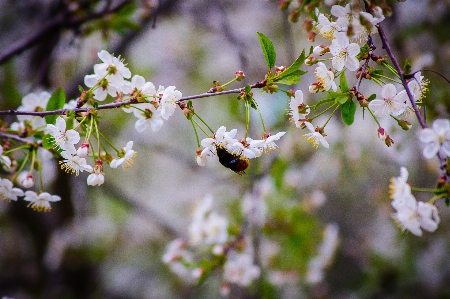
[
  {"x": 26, "y": 180},
  {"x": 308, "y": 25},
  {"x": 321, "y": 50},
  {"x": 279, "y": 69},
  {"x": 82, "y": 99},
  {"x": 239, "y": 75},
  {"x": 381, "y": 133},
  {"x": 404, "y": 124},
  {"x": 388, "y": 141},
  {"x": 312, "y": 36},
  {"x": 83, "y": 150},
  {"x": 311, "y": 60},
  {"x": 284, "y": 4},
  {"x": 294, "y": 15}
]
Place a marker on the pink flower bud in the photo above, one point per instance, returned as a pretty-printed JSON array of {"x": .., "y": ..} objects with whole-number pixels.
[
  {"x": 381, "y": 133},
  {"x": 26, "y": 180},
  {"x": 83, "y": 150}
]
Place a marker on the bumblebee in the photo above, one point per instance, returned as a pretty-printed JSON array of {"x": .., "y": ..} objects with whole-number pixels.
[{"x": 233, "y": 161}]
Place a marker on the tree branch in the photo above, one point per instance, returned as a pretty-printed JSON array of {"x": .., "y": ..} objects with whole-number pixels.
[{"x": 58, "y": 23}]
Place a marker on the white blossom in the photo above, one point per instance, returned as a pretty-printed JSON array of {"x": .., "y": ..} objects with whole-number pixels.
[
  {"x": 344, "y": 53},
  {"x": 74, "y": 164},
  {"x": 324, "y": 79},
  {"x": 240, "y": 269},
  {"x": 34, "y": 102},
  {"x": 170, "y": 97},
  {"x": 393, "y": 103},
  {"x": 40, "y": 202},
  {"x": 297, "y": 109},
  {"x": 8, "y": 192},
  {"x": 64, "y": 139},
  {"x": 436, "y": 138},
  {"x": 127, "y": 156},
  {"x": 315, "y": 137}
]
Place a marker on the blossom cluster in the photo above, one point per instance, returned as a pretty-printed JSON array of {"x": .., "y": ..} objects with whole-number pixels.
[
  {"x": 210, "y": 230},
  {"x": 410, "y": 214},
  {"x": 224, "y": 143}
]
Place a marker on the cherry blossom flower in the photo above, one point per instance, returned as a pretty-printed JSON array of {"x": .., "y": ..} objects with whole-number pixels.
[
  {"x": 169, "y": 100},
  {"x": 34, "y": 102},
  {"x": 207, "y": 227},
  {"x": 40, "y": 202},
  {"x": 74, "y": 164},
  {"x": 399, "y": 187},
  {"x": 220, "y": 138},
  {"x": 4, "y": 160},
  {"x": 315, "y": 137},
  {"x": 324, "y": 79},
  {"x": 393, "y": 103},
  {"x": 348, "y": 17},
  {"x": 411, "y": 215},
  {"x": 436, "y": 138},
  {"x": 104, "y": 88},
  {"x": 249, "y": 148},
  {"x": 97, "y": 177},
  {"x": 344, "y": 53},
  {"x": 149, "y": 116},
  {"x": 139, "y": 88},
  {"x": 374, "y": 19},
  {"x": 269, "y": 142},
  {"x": 127, "y": 157},
  {"x": 239, "y": 269},
  {"x": 178, "y": 257},
  {"x": 8, "y": 192},
  {"x": 26, "y": 179},
  {"x": 64, "y": 139},
  {"x": 83, "y": 150},
  {"x": 298, "y": 110},
  {"x": 326, "y": 28},
  {"x": 114, "y": 67}
]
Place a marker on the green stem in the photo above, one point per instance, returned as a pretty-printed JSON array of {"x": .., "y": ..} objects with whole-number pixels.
[
  {"x": 374, "y": 117},
  {"x": 200, "y": 127},
  {"x": 22, "y": 166},
  {"x": 107, "y": 141},
  {"x": 415, "y": 189},
  {"x": 203, "y": 122},
  {"x": 324, "y": 111},
  {"x": 196, "y": 133},
  {"x": 331, "y": 115},
  {"x": 386, "y": 77},
  {"x": 247, "y": 119}
]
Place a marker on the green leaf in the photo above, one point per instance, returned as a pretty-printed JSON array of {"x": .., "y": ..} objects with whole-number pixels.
[
  {"x": 407, "y": 67},
  {"x": 268, "y": 50},
  {"x": 343, "y": 82},
  {"x": 293, "y": 78},
  {"x": 348, "y": 112},
  {"x": 56, "y": 102},
  {"x": 324, "y": 101},
  {"x": 293, "y": 68},
  {"x": 342, "y": 99},
  {"x": 372, "y": 97}
]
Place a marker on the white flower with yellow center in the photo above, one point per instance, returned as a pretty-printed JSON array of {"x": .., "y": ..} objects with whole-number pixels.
[
  {"x": 344, "y": 53},
  {"x": 8, "y": 192},
  {"x": 40, "y": 202},
  {"x": 324, "y": 79},
  {"x": 298, "y": 110},
  {"x": 393, "y": 103},
  {"x": 315, "y": 137},
  {"x": 74, "y": 164},
  {"x": 64, "y": 139},
  {"x": 436, "y": 138},
  {"x": 126, "y": 155}
]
